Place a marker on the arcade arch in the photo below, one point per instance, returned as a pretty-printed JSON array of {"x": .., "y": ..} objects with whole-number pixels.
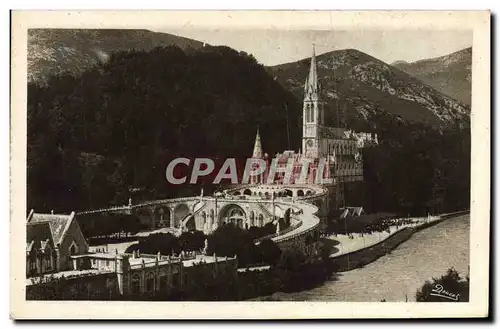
[
  {"x": 162, "y": 217},
  {"x": 234, "y": 214}
]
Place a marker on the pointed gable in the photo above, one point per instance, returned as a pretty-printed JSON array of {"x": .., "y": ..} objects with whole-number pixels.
[
  {"x": 57, "y": 223},
  {"x": 38, "y": 236}
]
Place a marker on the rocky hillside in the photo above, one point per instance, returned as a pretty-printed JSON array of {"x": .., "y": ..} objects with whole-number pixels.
[
  {"x": 53, "y": 51},
  {"x": 363, "y": 86},
  {"x": 450, "y": 74}
]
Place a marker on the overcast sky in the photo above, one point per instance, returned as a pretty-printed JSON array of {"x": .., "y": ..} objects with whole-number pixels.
[{"x": 271, "y": 47}]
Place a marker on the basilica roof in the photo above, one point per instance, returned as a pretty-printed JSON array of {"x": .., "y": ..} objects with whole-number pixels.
[{"x": 334, "y": 133}]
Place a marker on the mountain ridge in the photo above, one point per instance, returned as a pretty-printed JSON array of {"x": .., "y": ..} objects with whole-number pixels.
[
  {"x": 451, "y": 74},
  {"x": 56, "y": 51},
  {"x": 363, "y": 84}
]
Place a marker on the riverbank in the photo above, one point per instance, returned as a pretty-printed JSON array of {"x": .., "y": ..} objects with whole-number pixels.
[
  {"x": 358, "y": 252},
  {"x": 397, "y": 275}
]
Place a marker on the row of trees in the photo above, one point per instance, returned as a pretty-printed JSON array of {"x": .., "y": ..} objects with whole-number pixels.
[
  {"x": 228, "y": 240},
  {"x": 417, "y": 169},
  {"x": 168, "y": 244},
  {"x": 106, "y": 225}
]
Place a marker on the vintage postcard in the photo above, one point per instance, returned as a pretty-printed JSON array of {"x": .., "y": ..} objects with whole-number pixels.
[{"x": 264, "y": 164}]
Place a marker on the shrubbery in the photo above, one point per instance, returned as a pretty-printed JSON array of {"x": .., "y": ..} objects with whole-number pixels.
[
  {"x": 229, "y": 240},
  {"x": 165, "y": 243},
  {"x": 104, "y": 225},
  {"x": 292, "y": 272},
  {"x": 448, "y": 288},
  {"x": 259, "y": 232}
]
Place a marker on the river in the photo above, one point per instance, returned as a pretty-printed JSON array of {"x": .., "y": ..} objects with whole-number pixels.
[{"x": 398, "y": 275}]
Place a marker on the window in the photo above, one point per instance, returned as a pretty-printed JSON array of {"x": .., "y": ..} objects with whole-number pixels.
[
  {"x": 176, "y": 278},
  {"x": 150, "y": 282},
  {"x": 73, "y": 249},
  {"x": 135, "y": 287},
  {"x": 163, "y": 281},
  {"x": 48, "y": 263}
]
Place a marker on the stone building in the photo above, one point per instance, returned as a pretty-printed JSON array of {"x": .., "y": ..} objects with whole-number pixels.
[
  {"x": 51, "y": 240},
  {"x": 152, "y": 275},
  {"x": 335, "y": 153}
]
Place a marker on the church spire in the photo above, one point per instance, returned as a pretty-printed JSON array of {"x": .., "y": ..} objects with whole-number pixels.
[
  {"x": 257, "y": 149},
  {"x": 311, "y": 86}
]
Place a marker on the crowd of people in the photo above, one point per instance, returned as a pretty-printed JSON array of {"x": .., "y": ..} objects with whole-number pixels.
[{"x": 361, "y": 226}]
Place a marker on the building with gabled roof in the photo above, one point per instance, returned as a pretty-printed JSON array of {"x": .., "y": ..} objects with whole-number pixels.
[{"x": 51, "y": 240}]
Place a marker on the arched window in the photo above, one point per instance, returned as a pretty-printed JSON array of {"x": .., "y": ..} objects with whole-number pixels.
[
  {"x": 261, "y": 220},
  {"x": 204, "y": 220},
  {"x": 135, "y": 286},
  {"x": 176, "y": 277},
  {"x": 163, "y": 281},
  {"x": 150, "y": 282},
  {"x": 47, "y": 258},
  {"x": 73, "y": 249}
]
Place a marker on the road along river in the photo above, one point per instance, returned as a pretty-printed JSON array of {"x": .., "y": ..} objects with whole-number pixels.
[{"x": 397, "y": 275}]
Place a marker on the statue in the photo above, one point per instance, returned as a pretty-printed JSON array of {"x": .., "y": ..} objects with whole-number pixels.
[
  {"x": 130, "y": 202},
  {"x": 206, "y": 247}
]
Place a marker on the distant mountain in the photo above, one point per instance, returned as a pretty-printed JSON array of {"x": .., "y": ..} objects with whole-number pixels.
[
  {"x": 450, "y": 74},
  {"x": 363, "y": 86},
  {"x": 53, "y": 51}
]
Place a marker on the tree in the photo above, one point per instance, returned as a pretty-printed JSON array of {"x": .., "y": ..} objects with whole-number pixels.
[
  {"x": 131, "y": 224},
  {"x": 270, "y": 251},
  {"x": 191, "y": 241},
  {"x": 269, "y": 228},
  {"x": 448, "y": 288},
  {"x": 229, "y": 240},
  {"x": 166, "y": 244}
]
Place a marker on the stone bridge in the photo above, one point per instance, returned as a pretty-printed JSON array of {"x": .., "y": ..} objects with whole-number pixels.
[{"x": 244, "y": 206}]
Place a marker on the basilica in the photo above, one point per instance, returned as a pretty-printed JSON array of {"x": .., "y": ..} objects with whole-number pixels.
[{"x": 338, "y": 149}]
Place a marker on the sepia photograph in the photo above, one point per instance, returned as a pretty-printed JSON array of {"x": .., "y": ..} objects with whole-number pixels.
[{"x": 173, "y": 157}]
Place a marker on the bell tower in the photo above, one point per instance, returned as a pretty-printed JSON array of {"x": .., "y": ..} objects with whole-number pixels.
[{"x": 312, "y": 113}]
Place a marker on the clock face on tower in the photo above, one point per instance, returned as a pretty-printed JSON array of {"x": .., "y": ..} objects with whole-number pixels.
[{"x": 310, "y": 143}]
